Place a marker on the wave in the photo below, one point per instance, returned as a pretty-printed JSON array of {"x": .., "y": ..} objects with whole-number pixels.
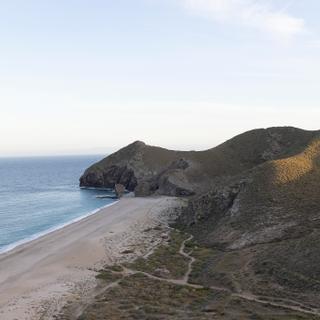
[
  {"x": 97, "y": 189},
  {"x": 38, "y": 235}
]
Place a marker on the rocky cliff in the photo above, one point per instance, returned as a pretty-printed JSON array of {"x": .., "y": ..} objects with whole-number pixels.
[
  {"x": 143, "y": 169},
  {"x": 148, "y": 169}
]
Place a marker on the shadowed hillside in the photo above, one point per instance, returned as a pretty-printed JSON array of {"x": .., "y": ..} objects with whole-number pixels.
[{"x": 262, "y": 232}]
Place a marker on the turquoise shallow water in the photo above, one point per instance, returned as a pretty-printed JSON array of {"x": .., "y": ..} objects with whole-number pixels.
[{"x": 38, "y": 195}]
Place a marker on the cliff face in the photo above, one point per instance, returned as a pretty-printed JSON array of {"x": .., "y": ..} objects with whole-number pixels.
[
  {"x": 148, "y": 169},
  {"x": 141, "y": 168}
]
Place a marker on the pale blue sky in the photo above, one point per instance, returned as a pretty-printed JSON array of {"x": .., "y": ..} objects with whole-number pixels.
[{"x": 90, "y": 76}]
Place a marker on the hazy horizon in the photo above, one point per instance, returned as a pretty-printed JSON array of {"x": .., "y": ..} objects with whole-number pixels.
[
  {"x": 82, "y": 78},
  {"x": 102, "y": 152}
]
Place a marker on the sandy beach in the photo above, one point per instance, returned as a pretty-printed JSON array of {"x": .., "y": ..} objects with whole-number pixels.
[{"x": 38, "y": 278}]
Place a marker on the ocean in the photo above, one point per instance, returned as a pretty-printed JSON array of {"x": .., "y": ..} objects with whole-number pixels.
[{"x": 42, "y": 194}]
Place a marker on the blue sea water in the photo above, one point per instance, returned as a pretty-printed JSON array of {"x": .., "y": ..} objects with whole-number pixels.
[{"x": 41, "y": 194}]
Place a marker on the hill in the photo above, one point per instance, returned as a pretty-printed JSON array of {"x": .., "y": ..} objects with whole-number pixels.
[
  {"x": 148, "y": 169},
  {"x": 253, "y": 210},
  {"x": 262, "y": 231}
]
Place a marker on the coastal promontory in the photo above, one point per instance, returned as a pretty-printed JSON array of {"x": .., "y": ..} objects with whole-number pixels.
[
  {"x": 147, "y": 169},
  {"x": 252, "y": 210}
]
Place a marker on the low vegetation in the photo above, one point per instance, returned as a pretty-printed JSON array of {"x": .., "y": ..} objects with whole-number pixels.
[
  {"x": 212, "y": 291},
  {"x": 165, "y": 261}
]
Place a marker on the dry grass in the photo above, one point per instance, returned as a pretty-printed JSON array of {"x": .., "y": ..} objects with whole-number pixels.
[
  {"x": 139, "y": 297},
  {"x": 165, "y": 262},
  {"x": 233, "y": 157}
]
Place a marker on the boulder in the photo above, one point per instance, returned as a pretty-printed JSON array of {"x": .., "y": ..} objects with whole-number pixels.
[
  {"x": 119, "y": 190},
  {"x": 143, "y": 189},
  {"x": 175, "y": 183}
]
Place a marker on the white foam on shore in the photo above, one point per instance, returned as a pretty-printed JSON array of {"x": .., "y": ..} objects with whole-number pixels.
[{"x": 38, "y": 235}]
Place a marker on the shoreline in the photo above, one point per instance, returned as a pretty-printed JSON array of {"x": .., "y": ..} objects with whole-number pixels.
[
  {"x": 39, "y": 277},
  {"x": 15, "y": 245}
]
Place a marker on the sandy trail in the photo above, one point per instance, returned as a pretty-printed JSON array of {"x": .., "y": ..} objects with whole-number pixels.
[
  {"x": 38, "y": 278},
  {"x": 281, "y": 303}
]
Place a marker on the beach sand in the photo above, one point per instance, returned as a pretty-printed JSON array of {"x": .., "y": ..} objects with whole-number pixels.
[{"x": 38, "y": 278}]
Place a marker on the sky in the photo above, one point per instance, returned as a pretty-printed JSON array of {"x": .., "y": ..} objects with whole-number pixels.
[{"x": 88, "y": 77}]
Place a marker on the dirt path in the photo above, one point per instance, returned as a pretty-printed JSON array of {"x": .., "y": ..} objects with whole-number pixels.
[
  {"x": 190, "y": 258},
  {"x": 276, "y": 302},
  {"x": 294, "y": 306}
]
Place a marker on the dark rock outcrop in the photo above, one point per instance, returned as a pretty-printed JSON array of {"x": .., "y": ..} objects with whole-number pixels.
[
  {"x": 213, "y": 205},
  {"x": 108, "y": 178},
  {"x": 142, "y": 169}
]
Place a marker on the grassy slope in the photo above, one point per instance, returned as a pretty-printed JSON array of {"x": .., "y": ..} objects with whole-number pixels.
[{"x": 235, "y": 156}]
